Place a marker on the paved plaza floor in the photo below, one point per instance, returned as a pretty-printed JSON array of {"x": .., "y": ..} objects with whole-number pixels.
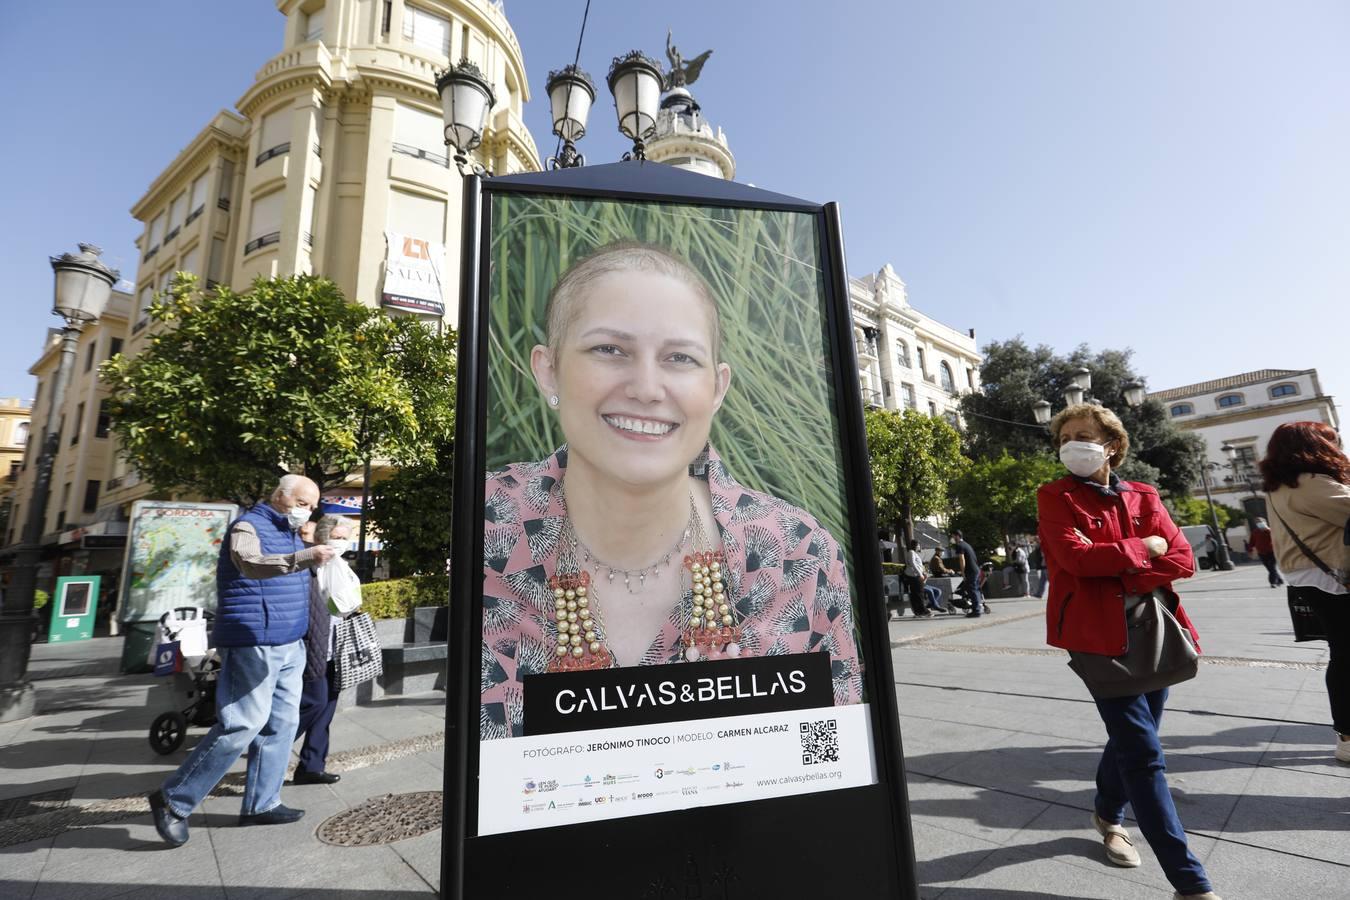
[{"x": 1001, "y": 743}]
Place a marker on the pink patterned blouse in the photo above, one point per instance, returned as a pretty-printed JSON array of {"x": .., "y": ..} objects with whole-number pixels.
[{"x": 785, "y": 575}]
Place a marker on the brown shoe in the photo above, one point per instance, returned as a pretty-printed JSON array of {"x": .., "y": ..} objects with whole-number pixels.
[{"x": 1119, "y": 848}]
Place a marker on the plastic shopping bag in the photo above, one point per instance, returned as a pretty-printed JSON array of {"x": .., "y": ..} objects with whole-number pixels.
[{"x": 339, "y": 587}]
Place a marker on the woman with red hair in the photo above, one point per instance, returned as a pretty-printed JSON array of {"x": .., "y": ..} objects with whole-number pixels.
[{"x": 1307, "y": 480}]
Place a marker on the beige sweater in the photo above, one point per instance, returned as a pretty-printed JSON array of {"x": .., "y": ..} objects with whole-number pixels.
[{"x": 1317, "y": 511}]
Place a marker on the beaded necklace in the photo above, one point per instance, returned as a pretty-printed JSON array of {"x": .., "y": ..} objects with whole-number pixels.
[{"x": 710, "y": 627}]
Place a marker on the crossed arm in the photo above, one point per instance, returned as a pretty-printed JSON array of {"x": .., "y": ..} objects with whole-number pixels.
[{"x": 1141, "y": 563}]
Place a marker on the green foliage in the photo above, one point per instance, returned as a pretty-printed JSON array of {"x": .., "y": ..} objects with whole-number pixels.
[
  {"x": 411, "y": 512},
  {"x": 777, "y": 429},
  {"x": 914, "y": 458},
  {"x": 235, "y": 389},
  {"x": 398, "y": 597},
  {"x": 1195, "y": 511},
  {"x": 996, "y": 498},
  {"x": 1015, "y": 376}
]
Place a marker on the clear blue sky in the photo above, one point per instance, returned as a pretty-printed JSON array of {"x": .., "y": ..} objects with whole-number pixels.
[{"x": 1172, "y": 177}]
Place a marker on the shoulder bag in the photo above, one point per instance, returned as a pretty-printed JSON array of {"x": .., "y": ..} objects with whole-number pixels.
[
  {"x": 357, "y": 657},
  {"x": 1160, "y": 651},
  {"x": 1302, "y": 599}
]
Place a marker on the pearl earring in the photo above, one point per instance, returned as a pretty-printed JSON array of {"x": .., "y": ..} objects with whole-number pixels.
[{"x": 553, "y": 401}]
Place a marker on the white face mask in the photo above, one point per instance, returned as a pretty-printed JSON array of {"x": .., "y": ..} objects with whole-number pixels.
[
  {"x": 298, "y": 517},
  {"x": 1082, "y": 458},
  {"x": 340, "y": 545}
]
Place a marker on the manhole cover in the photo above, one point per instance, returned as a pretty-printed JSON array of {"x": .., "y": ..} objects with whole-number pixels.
[{"x": 383, "y": 820}]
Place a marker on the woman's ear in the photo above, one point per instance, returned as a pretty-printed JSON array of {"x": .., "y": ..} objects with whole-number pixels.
[
  {"x": 723, "y": 382},
  {"x": 541, "y": 364}
]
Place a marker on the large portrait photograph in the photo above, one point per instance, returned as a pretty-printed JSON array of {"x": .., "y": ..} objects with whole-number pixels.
[{"x": 669, "y": 582}]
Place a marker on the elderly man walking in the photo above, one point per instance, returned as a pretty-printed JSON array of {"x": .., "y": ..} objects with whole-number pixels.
[{"x": 262, "y": 583}]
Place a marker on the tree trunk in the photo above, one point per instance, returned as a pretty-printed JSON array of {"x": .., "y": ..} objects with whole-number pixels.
[{"x": 906, "y": 524}]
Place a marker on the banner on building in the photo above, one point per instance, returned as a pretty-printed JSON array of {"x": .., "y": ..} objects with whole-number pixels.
[
  {"x": 171, "y": 557},
  {"x": 412, "y": 275}
]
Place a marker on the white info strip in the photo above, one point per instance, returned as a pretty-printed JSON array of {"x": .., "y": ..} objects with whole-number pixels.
[{"x": 585, "y": 776}]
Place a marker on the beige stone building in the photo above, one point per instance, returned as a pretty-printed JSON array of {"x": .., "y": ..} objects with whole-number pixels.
[
  {"x": 15, "y": 423},
  {"x": 337, "y": 142},
  {"x": 909, "y": 360}
]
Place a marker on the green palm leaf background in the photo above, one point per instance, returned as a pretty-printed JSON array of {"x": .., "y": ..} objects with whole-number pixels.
[{"x": 777, "y": 429}]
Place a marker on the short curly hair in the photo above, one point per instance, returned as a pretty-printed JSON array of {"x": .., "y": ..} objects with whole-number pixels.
[{"x": 1106, "y": 420}]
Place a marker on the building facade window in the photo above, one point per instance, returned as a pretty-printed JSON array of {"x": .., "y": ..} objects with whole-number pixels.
[
  {"x": 932, "y": 408},
  {"x": 886, "y": 388},
  {"x": 1284, "y": 390},
  {"x": 265, "y": 227},
  {"x": 89, "y": 355},
  {"x": 426, "y": 31},
  {"x": 114, "y": 348},
  {"x": 65, "y": 504},
  {"x": 154, "y": 235},
  {"x": 79, "y": 425},
  {"x": 923, "y": 361},
  {"x": 970, "y": 378},
  {"x": 420, "y": 134},
  {"x": 1181, "y": 409},
  {"x": 21, "y": 434},
  {"x": 198, "y": 197},
  {"x": 902, "y": 353},
  {"x": 945, "y": 373},
  {"x": 177, "y": 215},
  {"x": 104, "y": 420},
  {"x": 91, "y": 489},
  {"x": 275, "y": 135},
  {"x": 1229, "y": 400},
  {"x": 908, "y": 391}
]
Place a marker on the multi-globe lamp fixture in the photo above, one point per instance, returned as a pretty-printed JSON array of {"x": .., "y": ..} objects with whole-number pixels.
[{"x": 635, "y": 80}]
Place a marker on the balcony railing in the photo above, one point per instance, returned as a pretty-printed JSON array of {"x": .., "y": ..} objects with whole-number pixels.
[
  {"x": 171, "y": 235},
  {"x": 223, "y": 203},
  {"x": 192, "y": 216},
  {"x": 419, "y": 153},
  {"x": 278, "y": 150},
  {"x": 259, "y": 242}
]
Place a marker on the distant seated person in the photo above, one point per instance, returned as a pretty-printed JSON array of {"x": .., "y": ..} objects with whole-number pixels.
[{"x": 936, "y": 566}]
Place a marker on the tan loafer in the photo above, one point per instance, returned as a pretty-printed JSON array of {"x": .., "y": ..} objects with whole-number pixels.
[{"x": 1119, "y": 848}]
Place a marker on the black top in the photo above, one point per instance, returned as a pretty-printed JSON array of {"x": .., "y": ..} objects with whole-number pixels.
[{"x": 970, "y": 565}]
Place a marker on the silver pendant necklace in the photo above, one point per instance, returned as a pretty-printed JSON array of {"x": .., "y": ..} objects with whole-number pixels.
[{"x": 639, "y": 575}]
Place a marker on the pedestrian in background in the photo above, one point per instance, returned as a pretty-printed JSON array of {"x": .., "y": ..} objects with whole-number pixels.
[
  {"x": 1021, "y": 571},
  {"x": 262, "y": 613},
  {"x": 915, "y": 582},
  {"x": 1307, "y": 483},
  {"x": 1262, "y": 544},
  {"x": 970, "y": 575},
  {"x": 319, "y": 696},
  {"x": 1036, "y": 560},
  {"x": 1108, "y": 545}
]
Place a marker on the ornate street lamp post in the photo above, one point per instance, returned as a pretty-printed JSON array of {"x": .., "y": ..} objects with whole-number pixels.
[
  {"x": 570, "y": 95},
  {"x": 83, "y": 285},
  {"x": 635, "y": 80},
  {"x": 1224, "y": 561},
  {"x": 466, "y": 99}
]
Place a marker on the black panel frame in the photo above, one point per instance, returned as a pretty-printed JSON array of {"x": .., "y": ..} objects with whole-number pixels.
[{"x": 862, "y": 836}]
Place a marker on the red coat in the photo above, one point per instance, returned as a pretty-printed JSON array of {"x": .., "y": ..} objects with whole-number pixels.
[
  {"x": 1261, "y": 542},
  {"x": 1090, "y": 575}
]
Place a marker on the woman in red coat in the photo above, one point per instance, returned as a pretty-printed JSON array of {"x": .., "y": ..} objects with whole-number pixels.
[{"x": 1108, "y": 544}]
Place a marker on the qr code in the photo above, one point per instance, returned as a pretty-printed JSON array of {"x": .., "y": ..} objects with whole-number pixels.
[{"x": 820, "y": 742}]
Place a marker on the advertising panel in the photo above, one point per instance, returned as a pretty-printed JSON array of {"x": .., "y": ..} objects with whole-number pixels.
[
  {"x": 672, "y": 614},
  {"x": 172, "y": 549}
]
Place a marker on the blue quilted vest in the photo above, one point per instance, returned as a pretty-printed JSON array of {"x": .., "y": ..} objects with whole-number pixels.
[{"x": 253, "y": 612}]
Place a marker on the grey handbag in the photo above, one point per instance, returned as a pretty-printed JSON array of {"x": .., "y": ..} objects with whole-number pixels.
[
  {"x": 357, "y": 656},
  {"x": 1161, "y": 653}
]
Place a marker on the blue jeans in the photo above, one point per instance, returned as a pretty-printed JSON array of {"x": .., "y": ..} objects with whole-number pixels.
[
  {"x": 971, "y": 588},
  {"x": 1132, "y": 770},
  {"x": 1042, "y": 581},
  {"x": 257, "y": 709}
]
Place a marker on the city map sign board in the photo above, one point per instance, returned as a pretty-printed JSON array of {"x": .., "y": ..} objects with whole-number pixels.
[
  {"x": 672, "y": 650},
  {"x": 171, "y": 555}
]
